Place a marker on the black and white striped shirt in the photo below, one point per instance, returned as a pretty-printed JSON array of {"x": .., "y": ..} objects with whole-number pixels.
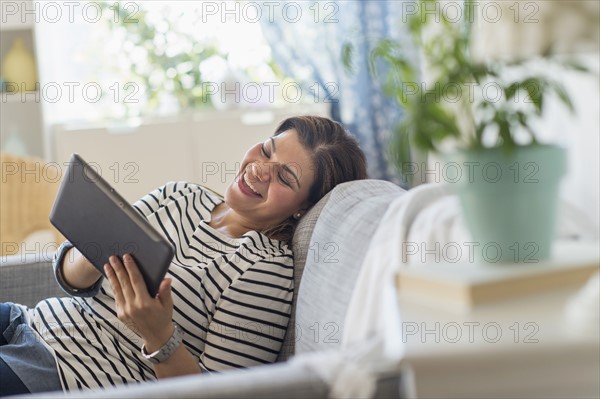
[{"x": 232, "y": 299}]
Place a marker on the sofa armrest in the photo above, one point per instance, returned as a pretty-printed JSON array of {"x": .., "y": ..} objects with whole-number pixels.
[
  {"x": 27, "y": 279},
  {"x": 277, "y": 380}
]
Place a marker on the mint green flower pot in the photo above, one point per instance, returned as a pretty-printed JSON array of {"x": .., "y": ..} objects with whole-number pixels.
[{"x": 510, "y": 200}]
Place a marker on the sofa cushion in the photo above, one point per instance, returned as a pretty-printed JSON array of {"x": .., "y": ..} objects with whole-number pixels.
[
  {"x": 334, "y": 256},
  {"x": 27, "y": 278},
  {"x": 300, "y": 245}
]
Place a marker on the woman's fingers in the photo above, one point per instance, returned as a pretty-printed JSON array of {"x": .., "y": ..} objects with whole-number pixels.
[
  {"x": 148, "y": 317},
  {"x": 164, "y": 292},
  {"x": 123, "y": 277},
  {"x": 135, "y": 277},
  {"x": 114, "y": 283}
]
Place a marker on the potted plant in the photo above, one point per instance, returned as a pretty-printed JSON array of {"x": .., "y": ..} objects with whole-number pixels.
[{"x": 507, "y": 181}]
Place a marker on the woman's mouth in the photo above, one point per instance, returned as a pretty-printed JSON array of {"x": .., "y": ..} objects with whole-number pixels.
[{"x": 245, "y": 186}]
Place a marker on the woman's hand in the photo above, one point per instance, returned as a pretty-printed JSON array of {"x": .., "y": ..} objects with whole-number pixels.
[{"x": 151, "y": 318}]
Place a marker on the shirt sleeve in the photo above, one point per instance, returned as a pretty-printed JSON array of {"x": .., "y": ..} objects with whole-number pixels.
[
  {"x": 57, "y": 260},
  {"x": 251, "y": 317}
]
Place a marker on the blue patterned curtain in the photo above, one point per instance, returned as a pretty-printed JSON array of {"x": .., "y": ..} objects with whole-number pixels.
[{"x": 307, "y": 39}]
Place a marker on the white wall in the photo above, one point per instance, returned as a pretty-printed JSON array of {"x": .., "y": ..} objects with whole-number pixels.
[{"x": 580, "y": 133}]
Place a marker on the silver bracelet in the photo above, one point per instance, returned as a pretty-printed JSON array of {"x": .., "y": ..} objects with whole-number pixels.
[{"x": 167, "y": 349}]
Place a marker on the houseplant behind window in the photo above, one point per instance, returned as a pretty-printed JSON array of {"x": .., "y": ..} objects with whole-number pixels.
[{"x": 507, "y": 181}]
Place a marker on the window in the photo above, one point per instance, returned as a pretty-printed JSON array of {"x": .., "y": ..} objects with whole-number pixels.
[{"x": 116, "y": 60}]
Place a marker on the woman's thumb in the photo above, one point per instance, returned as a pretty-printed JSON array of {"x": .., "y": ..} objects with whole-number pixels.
[{"x": 164, "y": 292}]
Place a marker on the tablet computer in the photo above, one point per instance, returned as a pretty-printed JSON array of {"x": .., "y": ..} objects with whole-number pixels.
[{"x": 99, "y": 223}]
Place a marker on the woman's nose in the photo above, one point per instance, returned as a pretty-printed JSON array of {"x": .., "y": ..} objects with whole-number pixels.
[{"x": 261, "y": 171}]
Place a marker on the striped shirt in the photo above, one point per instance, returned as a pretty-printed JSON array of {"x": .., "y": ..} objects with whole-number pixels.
[{"x": 232, "y": 298}]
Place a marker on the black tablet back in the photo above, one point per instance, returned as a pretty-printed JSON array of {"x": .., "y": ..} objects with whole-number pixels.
[{"x": 101, "y": 223}]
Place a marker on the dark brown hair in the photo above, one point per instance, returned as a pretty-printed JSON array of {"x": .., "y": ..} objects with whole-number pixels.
[{"x": 336, "y": 158}]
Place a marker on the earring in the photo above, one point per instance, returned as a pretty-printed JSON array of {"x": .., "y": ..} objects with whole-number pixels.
[{"x": 297, "y": 215}]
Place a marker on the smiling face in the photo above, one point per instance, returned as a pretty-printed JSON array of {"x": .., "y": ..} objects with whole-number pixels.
[{"x": 274, "y": 181}]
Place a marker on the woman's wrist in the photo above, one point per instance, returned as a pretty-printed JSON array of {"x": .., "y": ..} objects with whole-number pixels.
[
  {"x": 164, "y": 352},
  {"x": 159, "y": 339}
]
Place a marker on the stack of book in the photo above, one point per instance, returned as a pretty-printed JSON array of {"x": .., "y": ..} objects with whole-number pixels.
[{"x": 462, "y": 286}]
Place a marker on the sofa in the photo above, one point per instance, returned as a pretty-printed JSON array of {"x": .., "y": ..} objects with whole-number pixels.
[{"x": 329, "y": 247}]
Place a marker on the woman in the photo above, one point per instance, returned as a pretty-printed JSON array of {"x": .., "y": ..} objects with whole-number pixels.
[{"x": 227, "y": 297}]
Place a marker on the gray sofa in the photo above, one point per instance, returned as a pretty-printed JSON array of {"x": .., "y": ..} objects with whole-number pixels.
[{"x": 329, "y": 247}]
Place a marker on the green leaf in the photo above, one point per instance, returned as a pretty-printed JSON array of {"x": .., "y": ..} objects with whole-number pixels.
[
  {"x": 563, "y": 96},
  {"x": 576, "y": 66},
  {"x": 347, "y": 55},
  {"x": 511, "y": 90},
  {"x": 399, "y": 148},
  {"x": 534, "y": 88}
]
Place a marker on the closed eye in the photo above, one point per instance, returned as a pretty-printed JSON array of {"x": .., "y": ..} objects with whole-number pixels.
[
  {"x": 284, "y": 181},
  {"x": 264, "y": 152},
  {"x": 284, "y": 167},
  {"x": 280, "y": 174}
]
